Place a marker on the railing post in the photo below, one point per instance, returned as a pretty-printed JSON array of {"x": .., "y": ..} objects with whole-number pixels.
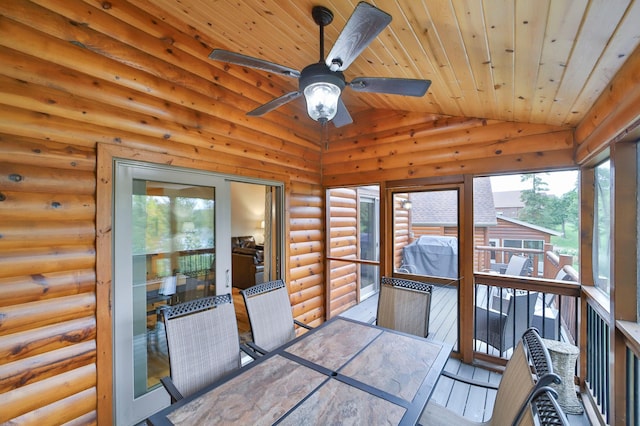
[{"x": 547, "y": 264}]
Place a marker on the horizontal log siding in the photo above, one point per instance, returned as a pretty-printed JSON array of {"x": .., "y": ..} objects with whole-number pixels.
[
  {"x": 75, "y": 74},
  {"x": 364, "y": 154},
  {"x": 402, "y": 233},
  {"x": 343, "y": 236},
  {"x": 306, "y": 242}
]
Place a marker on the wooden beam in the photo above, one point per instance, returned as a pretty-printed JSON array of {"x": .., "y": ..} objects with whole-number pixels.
[{"x": 615, "y": 113}]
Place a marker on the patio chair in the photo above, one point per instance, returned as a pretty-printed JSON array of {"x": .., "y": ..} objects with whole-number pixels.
[
  {"x": 502, "y": 329},
  {"x": 269, "y": 310},
  {"x": 544, "y": 410},
  {"x": 404, "y": 305},
  {"x": 528, "y": 370},
  {"x": 203, "y": 343},
  {"x": 519, "y": 266}
]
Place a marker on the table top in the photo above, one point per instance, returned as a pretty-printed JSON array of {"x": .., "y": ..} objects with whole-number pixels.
[{"x": 343, "y": 371}]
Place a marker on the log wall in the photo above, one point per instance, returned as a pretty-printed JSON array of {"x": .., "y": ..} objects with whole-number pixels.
[
  {"x": 343, "y": 237},
  {"x": 75, "y": 75},
  {"x": 412, "y": 146}
]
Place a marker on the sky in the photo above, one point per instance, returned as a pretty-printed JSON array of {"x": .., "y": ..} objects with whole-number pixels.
[{"x": 558, "y": 182}]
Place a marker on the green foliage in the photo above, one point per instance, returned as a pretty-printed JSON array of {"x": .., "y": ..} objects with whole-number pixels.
[{"x": 553, "y": 212}]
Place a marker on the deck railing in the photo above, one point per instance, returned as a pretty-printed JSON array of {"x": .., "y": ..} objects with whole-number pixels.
[
  {"x": 631, "y": 334},
  {"x": 597, "y": 379},
  {"x": 548, "y": 305}
]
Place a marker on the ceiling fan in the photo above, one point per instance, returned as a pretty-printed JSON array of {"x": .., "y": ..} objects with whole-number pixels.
[{"x": 321, "y": 83}]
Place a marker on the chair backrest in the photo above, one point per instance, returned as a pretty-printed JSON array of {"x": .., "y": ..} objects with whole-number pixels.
[
  {"x": 269, "y": 310},
  {"x": 515, "y": 387},
  {"x": 520, "y": 313},
  {"x": 518, "y": 265},
  {"x": 202, "y": 339},
  {"x": 404, "y": 305},
  {"x": 544, "y": 410}
]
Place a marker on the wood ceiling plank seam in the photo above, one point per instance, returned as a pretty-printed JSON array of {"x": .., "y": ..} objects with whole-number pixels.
[
  {"x": 531, "y": 20},
  {"x": 245, "y": 40},
  {"x": 285, "y": 47},
  {"x": 563, "y": 23},
  {"x": 445, "y": 78},
  {"x": 471, "y": 14},
  {"x": 500, "y": 24},
  {"x": 396, "y": 52},
  {"x": 624, "y": 42},
  {"x": 427, "y": 68},
  {"x": 598, "y": 25},
  {"x": 450, "y": 34},
  {"x": 407, "y": 41}
]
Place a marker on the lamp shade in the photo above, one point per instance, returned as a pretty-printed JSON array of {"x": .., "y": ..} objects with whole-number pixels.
[{"x": 322, "y": 100}]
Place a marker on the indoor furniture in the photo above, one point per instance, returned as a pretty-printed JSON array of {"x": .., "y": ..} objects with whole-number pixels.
[
  {"x": 341, "y": 372},
  {"x": 247, "y": 262}
]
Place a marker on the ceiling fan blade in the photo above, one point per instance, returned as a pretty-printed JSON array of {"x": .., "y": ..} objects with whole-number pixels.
[
  {"x": 271, "y": 105},
  {"x": 365, "y": 23},
  {"x": 248, "y": 61},
  {"x": 391, "y": 86},
  {"x": 342, "y": 117}
]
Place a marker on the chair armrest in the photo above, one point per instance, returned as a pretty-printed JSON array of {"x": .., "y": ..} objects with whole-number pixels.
[
  {"x": 303, "y": 325},
  {"x": 469, "y": 381},
  {"x": 255, "y": 348},
  {"x": 249, "y": 349},
  {"x": 171, "y": 389}
]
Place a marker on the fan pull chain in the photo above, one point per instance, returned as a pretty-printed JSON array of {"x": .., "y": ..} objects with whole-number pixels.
[{"x": 324, "y": 133}]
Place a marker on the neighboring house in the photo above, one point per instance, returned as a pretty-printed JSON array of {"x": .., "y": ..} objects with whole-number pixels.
[
  {"x": 508, "y": 203},
  {"x": 435, "y": 213},
  {"x": 518, "y": 234}
]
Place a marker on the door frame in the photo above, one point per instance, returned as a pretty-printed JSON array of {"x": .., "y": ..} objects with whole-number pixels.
[
  {"x": 129, "y": 408},
  {"x": 106, "y": 154}
]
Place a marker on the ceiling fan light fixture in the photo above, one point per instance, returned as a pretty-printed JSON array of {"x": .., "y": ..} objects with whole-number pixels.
[{"x": 322, "y": 100}]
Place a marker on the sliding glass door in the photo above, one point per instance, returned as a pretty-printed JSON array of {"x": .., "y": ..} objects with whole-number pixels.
[{"x": 172, "y": 244}]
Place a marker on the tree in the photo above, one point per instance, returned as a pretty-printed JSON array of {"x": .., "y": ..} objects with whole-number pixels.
[
  {"x": 548, "y": 210},
  {"x": 537, "y": 204}
]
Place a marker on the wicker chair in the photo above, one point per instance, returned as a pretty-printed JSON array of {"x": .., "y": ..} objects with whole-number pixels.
[
  {"x": 515, "y": 392},
  {"x": 269, "y": 310},
  {"x": 404, "y": 305},
  {"x": 502, "y": 329},
  {"x": 203, "y": 343}
]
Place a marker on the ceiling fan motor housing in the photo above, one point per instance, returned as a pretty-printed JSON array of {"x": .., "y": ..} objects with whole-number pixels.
[{"x": 320, "y": 73}]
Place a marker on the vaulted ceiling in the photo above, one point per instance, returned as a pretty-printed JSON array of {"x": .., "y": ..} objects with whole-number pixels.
[{"x": 536, "y": 61}]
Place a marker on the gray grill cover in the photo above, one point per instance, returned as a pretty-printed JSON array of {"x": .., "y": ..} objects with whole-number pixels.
[{"x": 432, "y": 255}]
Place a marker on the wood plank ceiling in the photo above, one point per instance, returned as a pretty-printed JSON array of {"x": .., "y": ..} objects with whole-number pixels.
[{"x": 535, "y": 61}]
